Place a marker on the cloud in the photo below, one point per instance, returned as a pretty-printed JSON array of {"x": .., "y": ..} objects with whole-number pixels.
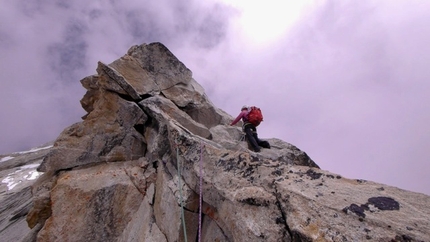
[
  {"x": 347, "y": 82},
  {"x": 358, "y": 82},
  {"x": 47, "y": 47}
]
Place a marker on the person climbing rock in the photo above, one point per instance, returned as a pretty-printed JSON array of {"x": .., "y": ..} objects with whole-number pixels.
[{"x": 250, "y": 128}]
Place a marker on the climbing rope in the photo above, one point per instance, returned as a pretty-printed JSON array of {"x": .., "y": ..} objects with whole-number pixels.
[
  {"x": 201, "y": 193},
  {"x": 180, "y": 192}
]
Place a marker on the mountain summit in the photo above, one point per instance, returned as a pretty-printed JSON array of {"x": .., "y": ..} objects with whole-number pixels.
[{"x": 155, "y": 160}]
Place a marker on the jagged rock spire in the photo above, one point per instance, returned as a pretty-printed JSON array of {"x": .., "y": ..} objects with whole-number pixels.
[{"x": 123, "y": 172}]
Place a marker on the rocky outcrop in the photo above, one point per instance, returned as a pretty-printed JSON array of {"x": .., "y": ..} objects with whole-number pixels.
[
  {"x": 17, "y": 175},
  {"x": 155, "y": 160}
]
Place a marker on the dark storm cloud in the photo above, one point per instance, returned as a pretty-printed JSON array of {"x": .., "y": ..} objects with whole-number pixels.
[
  {"x": 66, "y": 57},
  {"x": 30, "y": 8},
  {"x": 48, "y": 46},
  {"x": 141, "y": 24},
  {"x": 207, "y": 24},
  {"x": 211, "y": 31}
]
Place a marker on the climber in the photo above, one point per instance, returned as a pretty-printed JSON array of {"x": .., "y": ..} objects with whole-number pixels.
[{"x": 250, "y": 130}]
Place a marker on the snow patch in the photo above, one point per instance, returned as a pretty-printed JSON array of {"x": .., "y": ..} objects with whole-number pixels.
[
  {"x": 32, "y": 175},
  {"x": 6, "y": 158},
  {"x": 34, "y": 150},
  {"x": 26, "y": 172},
  {"x": 29, "y": 166}
]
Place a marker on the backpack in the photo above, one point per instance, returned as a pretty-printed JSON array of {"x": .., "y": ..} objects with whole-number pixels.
[{"x": 255, "y": 116}]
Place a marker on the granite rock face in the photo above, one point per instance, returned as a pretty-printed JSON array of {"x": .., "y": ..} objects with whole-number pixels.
[{"x": 155, "y": 160}]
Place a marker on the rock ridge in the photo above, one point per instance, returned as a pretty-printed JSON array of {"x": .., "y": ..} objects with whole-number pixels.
[{"x": 151, "y": 140}]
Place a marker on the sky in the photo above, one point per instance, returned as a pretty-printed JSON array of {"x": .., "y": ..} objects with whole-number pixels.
[{"x": 348, "y": 82}]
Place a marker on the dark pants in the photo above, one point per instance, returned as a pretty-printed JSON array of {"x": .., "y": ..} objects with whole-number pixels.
[{"x": 252, "y": 137}]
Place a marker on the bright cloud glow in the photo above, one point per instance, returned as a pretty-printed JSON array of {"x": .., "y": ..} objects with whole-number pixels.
[{"x": 263, "y": 22}]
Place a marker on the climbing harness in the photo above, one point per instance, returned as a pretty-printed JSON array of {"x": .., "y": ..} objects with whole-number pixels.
[
  {"x": 242, "y": 137},
  {"x": 243, "y": 134}
]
